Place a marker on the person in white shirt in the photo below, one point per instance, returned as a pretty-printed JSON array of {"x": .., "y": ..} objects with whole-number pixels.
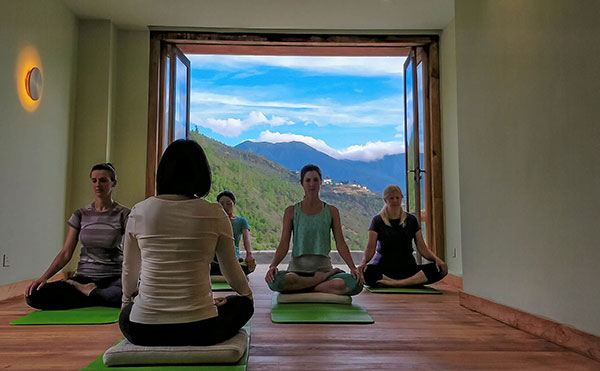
[{"x": 170, "y": 241}]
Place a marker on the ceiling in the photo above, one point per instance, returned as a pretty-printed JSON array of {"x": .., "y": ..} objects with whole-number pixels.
[{"x": 314, "y": 15}]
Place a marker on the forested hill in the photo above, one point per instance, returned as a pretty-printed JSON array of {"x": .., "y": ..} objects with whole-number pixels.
[{"x": 263, "y": 190}]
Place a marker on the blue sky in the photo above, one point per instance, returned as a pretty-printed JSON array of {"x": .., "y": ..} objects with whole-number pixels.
[{"x": 347, "y": 107}]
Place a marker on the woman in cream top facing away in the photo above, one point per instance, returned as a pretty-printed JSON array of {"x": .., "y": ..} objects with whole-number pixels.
[{"x": 170, "y": 241}]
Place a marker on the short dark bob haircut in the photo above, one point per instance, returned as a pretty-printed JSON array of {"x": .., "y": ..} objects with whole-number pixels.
[
  {"x": 226, "y": 193},
  {"x": 183, "y": 170},
  {"x": 307, "y": 168}
]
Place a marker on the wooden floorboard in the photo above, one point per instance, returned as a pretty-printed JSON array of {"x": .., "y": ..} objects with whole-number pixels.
[{"x": 411, "y": 332}]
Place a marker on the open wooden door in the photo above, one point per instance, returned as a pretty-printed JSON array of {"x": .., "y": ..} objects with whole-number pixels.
[
  {"x": 173, "y": 107},
  {"x": 417, "y": 125}
]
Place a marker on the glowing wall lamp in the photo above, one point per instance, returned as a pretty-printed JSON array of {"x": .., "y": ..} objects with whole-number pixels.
[
  {"x": 29, "y": 73},
  {"x": 33, "y": 83}
]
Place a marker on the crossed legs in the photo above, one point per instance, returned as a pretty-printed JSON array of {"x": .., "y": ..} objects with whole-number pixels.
[
  {"x": 402, "y": 276},
  {"x": 417, "y": 279},
  {"x": 295, "y": 282},
  {"x": 77, "y": 292},
  {"x": 334, "y": 281}
]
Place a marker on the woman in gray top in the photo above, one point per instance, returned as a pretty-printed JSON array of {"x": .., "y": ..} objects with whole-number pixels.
[{"x": 99, "y": 227}]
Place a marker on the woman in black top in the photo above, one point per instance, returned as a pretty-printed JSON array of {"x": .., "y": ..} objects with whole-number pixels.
[{"x": 391, "y": 233}]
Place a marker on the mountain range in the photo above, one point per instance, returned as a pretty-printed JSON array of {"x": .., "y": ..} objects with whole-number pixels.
[{"x": 375, "y": 175}]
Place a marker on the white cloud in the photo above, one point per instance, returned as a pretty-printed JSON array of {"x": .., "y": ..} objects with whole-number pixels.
[
  {"x": 399, "y": 131},
  {"x": 357, "y": 66},
  {"x": 231, "y": 127},
  {"x": 278, "y": 121},
  {"x": 369, "y": 151},
  {"x": 199, "y": 97},
  {"x": 374, "y": 113},
  {"x": 227, "y": 127}
]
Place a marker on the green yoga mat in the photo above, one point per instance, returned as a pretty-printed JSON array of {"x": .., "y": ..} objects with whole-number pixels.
[
  {"x": 98, "y": 363},
  {"x": 79, "y": 316},
  {"x": 404, "y": 290},
  {"x": 318, "y": 313},
  {"x": 220, "y": 286}
]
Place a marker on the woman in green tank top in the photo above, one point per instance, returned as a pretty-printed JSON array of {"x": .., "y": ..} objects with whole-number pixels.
[{"x": 311, "y": 221}]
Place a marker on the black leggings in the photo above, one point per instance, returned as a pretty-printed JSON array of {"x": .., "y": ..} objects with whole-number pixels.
[
  {"x": 375, "y": 272},
  {"x": 61, "y": 295},
  {"x": 215, "y": 268},
  {"x": 233, "y": 315}
]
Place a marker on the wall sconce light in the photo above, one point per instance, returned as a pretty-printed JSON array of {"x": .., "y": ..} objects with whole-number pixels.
[{"x": 33, "y": 83}]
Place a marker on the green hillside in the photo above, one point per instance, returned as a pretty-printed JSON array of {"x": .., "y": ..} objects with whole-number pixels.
[{"x": 263, "y": 190}]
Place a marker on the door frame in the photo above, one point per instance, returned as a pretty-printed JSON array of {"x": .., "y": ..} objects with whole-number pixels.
[{"x": 309, "y": 44}]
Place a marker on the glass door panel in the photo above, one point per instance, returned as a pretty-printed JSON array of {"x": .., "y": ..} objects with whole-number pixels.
[
  {"x": 411, "y": 141},
  {"x": 175, "y": 100},
  {"x": 181, "y": 121},
  {"x": 173, "y": 106},
  {"x": 421, "y": 148},
  {"x": 424, "y": 147},
  {"x": 164, "y": 132},
  {"x": 418, "y": 178},
  {"x": 410, "y": 132}
]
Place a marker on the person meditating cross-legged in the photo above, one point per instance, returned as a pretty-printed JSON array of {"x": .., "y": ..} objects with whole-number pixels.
[
  {"x": 241, "y": 231},
  {"x": 99, "y": 227},
  {"x": 169, "y": 243},
  {"x": 391, "y": 233},
  {"x": 311, "y": 221}
]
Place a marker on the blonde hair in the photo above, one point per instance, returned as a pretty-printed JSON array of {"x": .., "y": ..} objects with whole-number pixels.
[{"x": 392, "y": 188}]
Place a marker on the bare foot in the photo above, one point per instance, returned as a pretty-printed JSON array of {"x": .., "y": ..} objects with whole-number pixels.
[
  {"x": 385, "y": 281},
  {"x": 85, "y": 289}
]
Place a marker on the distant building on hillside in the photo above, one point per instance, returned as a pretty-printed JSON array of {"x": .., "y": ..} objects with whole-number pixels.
[
  {"x": 349, "y": 188},
  {"x": 327, "y": 180}
]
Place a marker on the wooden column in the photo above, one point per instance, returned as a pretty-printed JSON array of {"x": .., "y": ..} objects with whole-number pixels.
[{"x": 437, "y": 208}]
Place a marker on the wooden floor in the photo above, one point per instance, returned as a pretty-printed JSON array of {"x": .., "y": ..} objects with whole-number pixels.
[{"x": 411, "y": 332}]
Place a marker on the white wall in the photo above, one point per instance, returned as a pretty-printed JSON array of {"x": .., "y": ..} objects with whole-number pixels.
[
  {"x": 34, "y": 146},
  {"x": 93, "y": 120},
  {"x": 270, "y": 14},
  {"x": 452, "y": 237},
  {"x": 93, "y": 106},
  {"x": 111, "y": 112},
  {"x": 129, "y": 137},
  {"x": 112, "y": 109},
  {"x": 528, "y": 86},
  {"x": 46, "y": 154}
]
